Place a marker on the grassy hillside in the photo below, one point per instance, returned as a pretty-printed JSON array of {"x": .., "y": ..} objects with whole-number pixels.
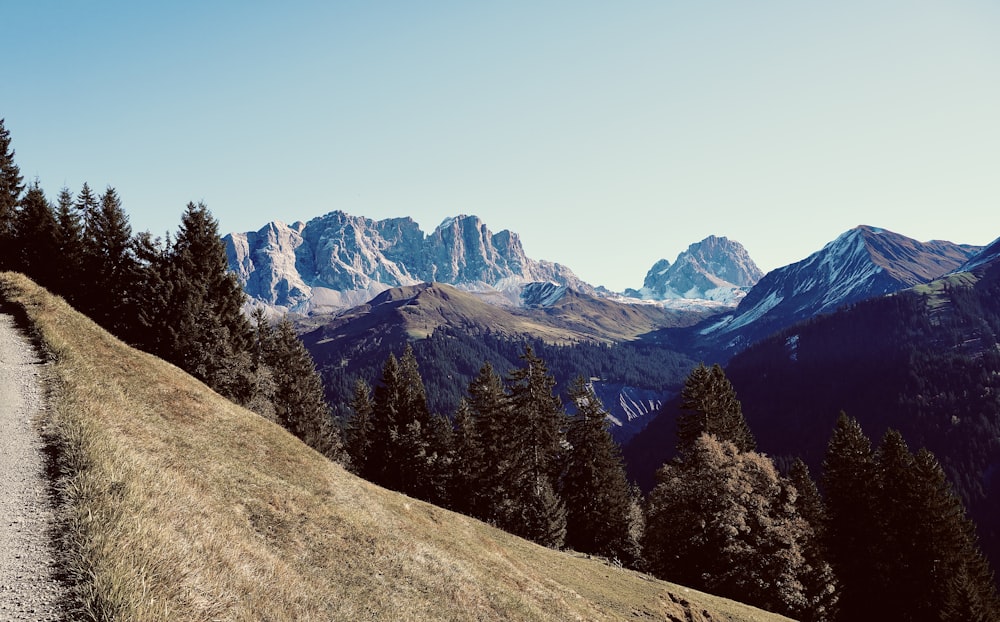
[{"x": 181, "y": 506}]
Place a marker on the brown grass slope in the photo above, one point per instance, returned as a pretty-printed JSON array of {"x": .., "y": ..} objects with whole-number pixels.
[{"x": 182, "y": 506}]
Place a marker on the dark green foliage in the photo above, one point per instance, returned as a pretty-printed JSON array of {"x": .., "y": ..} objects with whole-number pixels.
[
  {"x": 709, "y": 406},
  {"x": 112, "y": 268},
  {"x": 898, "y": 536},
  {"x": 849, "y": 484},
  {"x": 357, "y": 436},
  {"x": 485, "y": 445},
  {"x": 509, "y": 445},
  {"x": 406, "y": 451},
  {"x": 69, "y": 228},
  {"x": 926, "y": 365},
  {"x": 594, "y": 487},
  {"x": 36, "y": 246},
  {"x": 466, "y": 452},
  {"x": 724, "y": 521},
  {"x": 11, "y": 187},
  {"x": 299, "y": 405},
  {"x": 450, "y": 358},
  {"x": 195, "y": 317},
  {"x": 822, "y": 590}
]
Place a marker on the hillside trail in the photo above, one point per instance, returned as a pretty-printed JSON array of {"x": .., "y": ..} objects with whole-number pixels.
[{"x": 29, "y": 584}]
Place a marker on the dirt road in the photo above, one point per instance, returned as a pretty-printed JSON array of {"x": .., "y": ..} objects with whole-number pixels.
[{"x": 29, "y": 589}]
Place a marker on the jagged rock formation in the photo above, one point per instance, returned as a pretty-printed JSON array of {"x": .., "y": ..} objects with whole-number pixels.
[
  {"x": 716, "y": 268},
  {"x": 337, "y": 260}
]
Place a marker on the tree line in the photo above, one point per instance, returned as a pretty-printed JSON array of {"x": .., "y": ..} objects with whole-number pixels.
[
  {"x": 174, "y": 298},
  {"x": 886, "y": 538}
]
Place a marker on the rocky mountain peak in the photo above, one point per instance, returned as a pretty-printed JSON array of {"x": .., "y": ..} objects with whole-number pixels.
[
  {"x": 715, "y": 268},
  {"x": 338, "y": 260}
]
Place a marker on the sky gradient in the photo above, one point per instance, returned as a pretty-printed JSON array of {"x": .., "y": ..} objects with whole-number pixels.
[{"x": 607, "y": 134}]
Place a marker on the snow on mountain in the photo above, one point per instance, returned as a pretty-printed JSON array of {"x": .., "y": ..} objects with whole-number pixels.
[
  {"x": 716, "y": 269},
  {"x": 337, "y": 260},
  {"x": 986, "y": 257},
  {"x": 861, "y": 263}
]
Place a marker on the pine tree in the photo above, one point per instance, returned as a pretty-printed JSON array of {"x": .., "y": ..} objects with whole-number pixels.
[
  {"x": 594, "y": 487},
  {"x": 110, "y": 263},
  {"x": 71, "y": 253},
  {"x": 11, "y": 187},
  {"x": 709, "y": 406},
  {"x": 927, "y": 538},
  {"x": 36, "y": 238},
  {"x": 86, "y": 203},
  {"x": 466, "y": 457},
  {"x": 852, "y": 540},
  {"x": 195, "y": 320},
  {"x": 821, "y": 586},
  {"x": 359, "y": 428},
  {"x": 536, "y": 457},
  {"x": 298, "y": 401},
  {"x": 489, "y": 453},
  {"x": 402, "y": 452}
]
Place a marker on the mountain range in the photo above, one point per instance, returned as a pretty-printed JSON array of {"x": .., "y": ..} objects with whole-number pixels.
[
  {"x": 337, "y": 261},
  {"x": 362, "y": 287}
]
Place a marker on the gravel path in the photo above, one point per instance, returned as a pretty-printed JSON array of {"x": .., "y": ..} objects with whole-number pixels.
[{"x": 29, "y": 589}]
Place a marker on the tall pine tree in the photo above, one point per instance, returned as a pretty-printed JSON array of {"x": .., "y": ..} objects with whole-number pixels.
[
  {"x": 299, "y": 404},
  {"x": 11, "y": 187},
  {"x": 709, "y": 406},
  {"x": 110, "y": 263},
  {"x": 849, "y": 483},
  {"x": 594, "y": 487},
  {"x": 36, "y": 238},
  {"x": 71, "y": 253},
  {"x": 537, "y": 453},
  {"x": 195, "y": 319}
]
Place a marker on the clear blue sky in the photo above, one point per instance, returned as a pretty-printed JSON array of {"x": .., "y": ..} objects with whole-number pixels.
[{"x": 607, "y": 134}]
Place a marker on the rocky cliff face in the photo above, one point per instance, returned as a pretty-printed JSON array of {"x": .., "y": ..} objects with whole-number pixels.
[
  {"x": 338, "y": 260},
  {"x": 716, "y": 268}
]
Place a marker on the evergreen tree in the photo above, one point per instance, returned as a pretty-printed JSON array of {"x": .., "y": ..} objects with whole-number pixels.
[
  {"x": 86, "y": 203},
  {"x": 402, "y": 452},
  {"x": 538, "y": 423},
  {"x": 594, "y": 487},
  {"x": 71, "y": 253},
  {"x": 489, "y": 452},
  {"x": 359, "y": 428},
  {"x": 298, "y": 402},
  {"x": 709, "y": 406},
  {"x": 821, "y": 587},
  {"x": 11, "y": 187},
  {"x": 36, "y": 238},
  {"x": 195, "y": 319},
  {"x": 466, "y": 457},
  {"x": 265, "y": 388},
  {"x": 110, "y": 263},
  {"x": 852, "y": 540},
  {"x": 927, "y": 540}
]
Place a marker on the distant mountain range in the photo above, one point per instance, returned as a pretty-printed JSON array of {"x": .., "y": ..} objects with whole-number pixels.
[
  {"x": 338, "y": 261},
  {"x": 464, "y": 295}
]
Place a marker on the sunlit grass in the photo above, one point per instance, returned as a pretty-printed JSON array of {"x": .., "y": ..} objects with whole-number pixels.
[{"x": 179, "y": 505}]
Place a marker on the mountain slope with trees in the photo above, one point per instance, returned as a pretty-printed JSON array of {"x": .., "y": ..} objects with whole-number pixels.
[{"x": 173, "y": 493}]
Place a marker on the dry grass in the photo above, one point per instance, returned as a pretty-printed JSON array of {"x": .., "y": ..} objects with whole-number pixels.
[{"x": 181, "y": 506}]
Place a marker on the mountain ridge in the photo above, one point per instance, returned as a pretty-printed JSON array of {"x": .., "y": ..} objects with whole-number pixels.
[{"x": 336, "y": 261}]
